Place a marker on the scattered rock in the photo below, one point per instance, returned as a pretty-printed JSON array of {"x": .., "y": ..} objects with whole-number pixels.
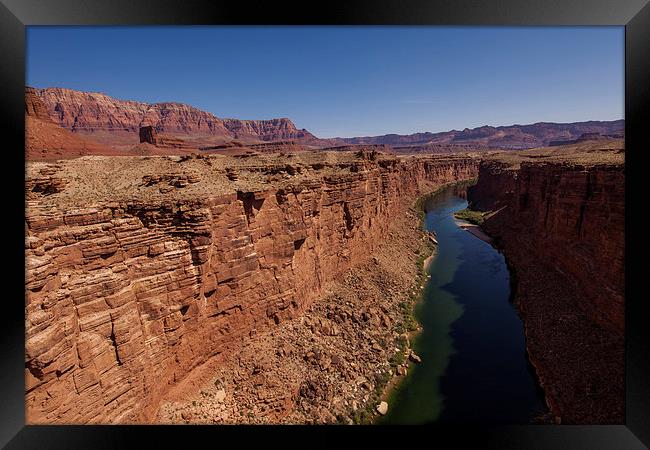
[
  {"x": 220, "y": 396},
  {"x": 415, "y": 358}
]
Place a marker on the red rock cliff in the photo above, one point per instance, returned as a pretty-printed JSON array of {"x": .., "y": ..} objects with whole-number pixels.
[
  {"x": 34, "y": 106},
  {"x": 129, "y": 291},
  {"x": 90, "y": 112},
  {"x": 45, "y": 139},
  {"x": 560, "y": 221},
  {"x": 266, "y": 130}
]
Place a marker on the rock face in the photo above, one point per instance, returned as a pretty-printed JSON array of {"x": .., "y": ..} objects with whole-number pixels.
[
  {"x": 129, "y": 293},
  {"x": 572, "y": 217},
  {"x": 34, "y": 106},
  {"x": 45, "y": 139},
  {"x": 149, "y": 135},
  {"x": 561, "y": 224},
  {"x": 266, "y": 130},
  {"x": 91, "y": 112}
]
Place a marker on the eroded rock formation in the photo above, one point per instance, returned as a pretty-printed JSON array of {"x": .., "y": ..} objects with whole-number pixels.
[
  {"x": 559, "y": 216},
  {"x": 94, "y": 113},
  {"x": 266, "y": 130},
  {"x": 140, "y": 270},
  {"x": 147, "y": 134},
  {"x": 34, "y": 106}
]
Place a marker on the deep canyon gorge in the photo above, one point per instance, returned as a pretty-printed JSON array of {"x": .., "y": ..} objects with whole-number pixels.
[
  {"x": 275, "y": 285},
  {"x": 159, "y": 272}
]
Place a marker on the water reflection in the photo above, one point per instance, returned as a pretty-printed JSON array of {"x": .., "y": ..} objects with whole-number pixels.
[{"x": 474, "y": 368}]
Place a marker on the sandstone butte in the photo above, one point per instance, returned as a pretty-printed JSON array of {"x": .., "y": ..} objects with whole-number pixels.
[{"x": 140, "y": 269}]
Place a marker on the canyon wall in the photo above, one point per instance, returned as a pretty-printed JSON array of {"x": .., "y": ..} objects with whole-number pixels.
[
  {"x": 266, "y": 130},
  {"x": 125, "y": 296},
  {"x": 569, "y": 216},
  {"x": 561, "y": 227}
]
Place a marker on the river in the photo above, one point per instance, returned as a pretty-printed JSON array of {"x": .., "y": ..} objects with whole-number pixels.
[{"x": 474, "y": 365}]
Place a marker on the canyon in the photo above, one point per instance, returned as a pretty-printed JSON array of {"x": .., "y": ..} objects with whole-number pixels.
[
  {"x": 558, "y": 214},
  {"x": 141, "y": 269},
  {"x": 183, "y": 268}
]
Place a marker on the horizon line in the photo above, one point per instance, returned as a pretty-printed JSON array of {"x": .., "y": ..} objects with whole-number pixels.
[{"x": 359, "y": 136}]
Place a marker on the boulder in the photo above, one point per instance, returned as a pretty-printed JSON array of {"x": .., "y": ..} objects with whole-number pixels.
[
  {"x": 415, "y": 358},
  {"x": 220, "y": 396}
]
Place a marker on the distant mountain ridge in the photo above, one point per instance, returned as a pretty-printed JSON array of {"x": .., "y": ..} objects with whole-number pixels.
[
  {"x": 97, "y": 113},
  {"x": 513, "y": 136}
]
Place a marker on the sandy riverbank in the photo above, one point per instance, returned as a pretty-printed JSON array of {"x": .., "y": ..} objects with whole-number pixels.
[
  {"x": 427, "y": 262},
  {"x": 475, "y": 230}
]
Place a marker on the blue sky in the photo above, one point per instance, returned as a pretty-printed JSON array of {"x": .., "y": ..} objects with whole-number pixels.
[{"x": 347, "y": 81}]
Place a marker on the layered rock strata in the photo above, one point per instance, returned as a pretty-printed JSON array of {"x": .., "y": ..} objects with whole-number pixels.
[
  {"x": 512, "y": 136},
  {"x": 96, "y": 113},
  {"x": 44, "y": 139},
  {"x": 139, "y": 270},
  {"x": 148, "y": 135},
  {"x": 331, "y": 364},
  {"x": 559, "y": 216}
]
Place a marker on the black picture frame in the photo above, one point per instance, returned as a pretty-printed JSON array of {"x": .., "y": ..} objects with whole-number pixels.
[{"x": 15, "y": 15}]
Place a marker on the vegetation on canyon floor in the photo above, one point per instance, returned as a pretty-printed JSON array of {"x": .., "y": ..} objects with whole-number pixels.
[
  {"x": 406, "y": 329},
  {"x": 422, "y": 200},
  {"x": 471, "y": 216}
]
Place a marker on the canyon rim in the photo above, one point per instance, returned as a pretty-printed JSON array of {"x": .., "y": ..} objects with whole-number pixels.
[{"x": 187, "y": 268}]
